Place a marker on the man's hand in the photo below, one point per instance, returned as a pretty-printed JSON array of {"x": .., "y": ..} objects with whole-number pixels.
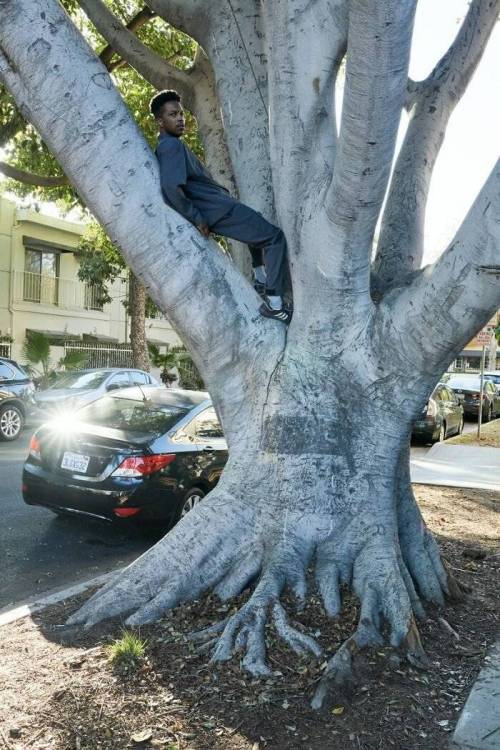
[{"x": 204, "y": 229}]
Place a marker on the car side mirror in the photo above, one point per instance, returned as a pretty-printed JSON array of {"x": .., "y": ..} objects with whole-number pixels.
[{"x": 113, "y": 386}]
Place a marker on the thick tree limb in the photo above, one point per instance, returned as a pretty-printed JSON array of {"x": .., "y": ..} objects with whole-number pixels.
[
  {"x": 379, "y": 40},
  {"x": 135, "y": 23},
  {"x": 302, "y": 93},
  {"x": 189, "y": 16},
  {"x": 147, "y": 63},
  {"x": 84, "y": 121},
  {"x": 431, "y": 103},
  {"x": 27, "y": 178},
  {"x": 449, "y": 301}
]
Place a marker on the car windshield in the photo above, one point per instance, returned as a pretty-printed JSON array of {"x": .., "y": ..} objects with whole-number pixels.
[
  {"x": 464, "y": 382},
  {"x": 495, "y": 378},
  {"x": 131, "y": 415},
  {"x": 80, "y": 380}
]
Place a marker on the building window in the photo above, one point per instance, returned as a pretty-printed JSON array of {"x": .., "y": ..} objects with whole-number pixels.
[{"x": 41, "y": 276}]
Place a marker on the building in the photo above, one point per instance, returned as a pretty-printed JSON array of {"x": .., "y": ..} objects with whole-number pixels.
[
  {"x": 470, "y": 357},
  {"x": 40, "y": 291}
]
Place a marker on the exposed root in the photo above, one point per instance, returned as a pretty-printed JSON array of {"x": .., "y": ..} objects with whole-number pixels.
[
  {"x": 387, "y": 595},
  {"x": 185, "y": 563}
]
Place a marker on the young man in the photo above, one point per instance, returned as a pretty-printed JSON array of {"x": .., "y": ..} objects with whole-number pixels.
[{"x": 190, "y": 189}]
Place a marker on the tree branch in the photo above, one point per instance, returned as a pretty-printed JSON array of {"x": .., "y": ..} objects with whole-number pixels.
[
  {"x": 431, "y": 104},
  {"x": 188, "y": 16},
  {"x": 448, "y": 302},
  {"x": 302, "y": 93},
  {"x": 142, "y": 17},
  {"x": 80, "y": 115},
  {"x": 147, "y": 63},
  {"x": 27, "y": 178},
  {"x": 379, "y": 40}
]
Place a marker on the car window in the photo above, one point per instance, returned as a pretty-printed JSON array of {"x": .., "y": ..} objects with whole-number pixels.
[
  {"x": 438, "y": 394},
  {"x": 451, "y": 396},
  {"x": 80, "y": 380},
  {"x": 6, "y": 372},
  {"x": 139, "y": 378},
  {"x": 131, "y": 415},
  {"x": 207, "y": 426},
  {"x": 121, "y": 378}
]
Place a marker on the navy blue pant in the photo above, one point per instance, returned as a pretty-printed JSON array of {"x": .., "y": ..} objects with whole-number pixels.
[{"x": 265, "y": 241}]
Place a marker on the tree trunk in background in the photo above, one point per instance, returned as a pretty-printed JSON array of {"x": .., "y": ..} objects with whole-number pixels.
[{"x": 137, "y": 311}]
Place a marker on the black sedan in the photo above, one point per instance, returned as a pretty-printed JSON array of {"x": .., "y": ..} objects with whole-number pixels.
[
  {"x": 16, "y": 398},
  {"x": 143, "y": 453},
  {"x": 468, "y": 390},
  {"x": 442, "y": 416}
]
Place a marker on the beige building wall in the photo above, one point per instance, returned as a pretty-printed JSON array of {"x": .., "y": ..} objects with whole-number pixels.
[{"x": 61, "y": 305}]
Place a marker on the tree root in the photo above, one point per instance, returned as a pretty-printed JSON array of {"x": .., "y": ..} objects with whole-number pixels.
[
  {"x": 184, "y": 564},
  {"x": 244, "y": 631}
]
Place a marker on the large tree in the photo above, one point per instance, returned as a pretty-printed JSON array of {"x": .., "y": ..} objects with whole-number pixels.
[{"x": 317, "y": 415}]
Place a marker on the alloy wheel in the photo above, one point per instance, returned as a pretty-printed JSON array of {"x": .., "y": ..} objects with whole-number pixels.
[
  {"x": 191, "y": 500},
  {"x": 10, "y": 424}
]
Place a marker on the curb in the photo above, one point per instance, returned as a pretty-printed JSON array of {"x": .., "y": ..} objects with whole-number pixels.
[{"x": 29, "y": 608}]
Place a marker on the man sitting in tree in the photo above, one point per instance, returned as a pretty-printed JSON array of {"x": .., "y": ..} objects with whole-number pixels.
[{"x": 190, "y": 189}]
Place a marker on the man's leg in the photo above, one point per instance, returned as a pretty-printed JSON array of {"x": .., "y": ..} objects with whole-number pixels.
[{"x": 246, "y": 225}]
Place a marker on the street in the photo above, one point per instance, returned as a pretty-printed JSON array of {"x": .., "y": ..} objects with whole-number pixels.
[{"x": 40, "y": 551}]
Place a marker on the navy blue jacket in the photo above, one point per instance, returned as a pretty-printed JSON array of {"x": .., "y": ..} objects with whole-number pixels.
[{"x": 187, "y": 186}]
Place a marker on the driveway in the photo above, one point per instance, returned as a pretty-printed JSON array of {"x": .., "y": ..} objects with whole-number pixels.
[{"x": 40, "y": 551}]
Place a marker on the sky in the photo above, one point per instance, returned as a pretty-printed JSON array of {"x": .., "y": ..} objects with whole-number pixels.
[{"x": 471, "y": 145}]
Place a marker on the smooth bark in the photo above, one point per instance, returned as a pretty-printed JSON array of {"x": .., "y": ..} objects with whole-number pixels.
[{"x": 317, "y": 416}]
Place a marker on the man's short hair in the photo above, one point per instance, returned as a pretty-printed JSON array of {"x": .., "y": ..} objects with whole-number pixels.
[{"x": 160, "y": 99}]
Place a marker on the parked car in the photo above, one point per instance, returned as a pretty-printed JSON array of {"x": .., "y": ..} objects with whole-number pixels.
[
  {"x": 76, "y": 388},
  {"x": 494, "y": 376},
  {"x": 442, "y": 416},
  {"x": 148, "y": 454},
  {"x": 16, "y": 398},
  {"x": 468, "y": 390}
]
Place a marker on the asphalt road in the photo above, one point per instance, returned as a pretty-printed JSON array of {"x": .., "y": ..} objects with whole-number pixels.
[{"x": 40, "y": 551}]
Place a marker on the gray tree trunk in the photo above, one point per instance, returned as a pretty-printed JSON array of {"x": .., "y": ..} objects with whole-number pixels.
[
  {"x": 137, "y": 312},
  {"x": 317, "y": 416}
]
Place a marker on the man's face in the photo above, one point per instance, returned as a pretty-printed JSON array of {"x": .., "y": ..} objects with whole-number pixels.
[{"x": 171, "y": 119}]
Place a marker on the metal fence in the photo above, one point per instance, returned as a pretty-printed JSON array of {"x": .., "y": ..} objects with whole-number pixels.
[
  {"x": 102, "y": 355},
  {"x": 5, "y": 350}
]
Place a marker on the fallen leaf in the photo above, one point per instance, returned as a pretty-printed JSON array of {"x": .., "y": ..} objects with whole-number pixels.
[
  {"x": 142, "y": 736},
  {"x": 338, "y": 710}
]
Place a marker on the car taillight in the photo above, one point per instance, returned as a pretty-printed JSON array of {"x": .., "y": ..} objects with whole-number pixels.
[
  {"x": 138, "y": 466},
  {"x": 35, "y": 447},
  {"x": 126, "y": 512}
]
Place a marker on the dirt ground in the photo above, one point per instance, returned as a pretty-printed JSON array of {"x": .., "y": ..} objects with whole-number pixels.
[
  {"x": 68, "y": 695},
  {"x": 490, "y": 436}
]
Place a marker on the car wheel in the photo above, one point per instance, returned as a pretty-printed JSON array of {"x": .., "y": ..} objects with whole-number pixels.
[
  {"x": 460, "y": 426},
  {"x": 191, "y": 498},
  {"x": 442, "y": 433},
  {"x": 11, "y": 422},
  {"x": 489, "y": 414}
]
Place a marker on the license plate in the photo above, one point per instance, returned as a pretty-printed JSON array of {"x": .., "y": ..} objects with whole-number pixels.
[{"x": 75, "y": 462}]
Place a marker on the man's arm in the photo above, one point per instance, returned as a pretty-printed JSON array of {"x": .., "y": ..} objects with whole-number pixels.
[{"x": 173, "y": 176}]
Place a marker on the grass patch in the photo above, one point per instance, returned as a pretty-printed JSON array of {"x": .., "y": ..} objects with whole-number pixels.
[
  {"x": 490, "y": 436},
  {"x": 127, "y": 651}
]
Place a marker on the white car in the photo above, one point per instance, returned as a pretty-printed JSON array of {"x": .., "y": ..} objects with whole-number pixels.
[{"x": 79, "y": 387}]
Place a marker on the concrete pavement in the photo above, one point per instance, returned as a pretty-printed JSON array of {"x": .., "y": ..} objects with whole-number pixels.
[
  {"x": 458, "y": 466},
  {"x": 478, "y": 727}
]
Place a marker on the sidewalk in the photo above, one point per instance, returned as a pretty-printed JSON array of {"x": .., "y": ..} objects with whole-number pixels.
[
  {"x": 478, "y": 727},
  {"x": 458, "y": 466}
]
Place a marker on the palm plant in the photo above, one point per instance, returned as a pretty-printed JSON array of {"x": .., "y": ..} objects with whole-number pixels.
[{"x": 36, "y": 351}]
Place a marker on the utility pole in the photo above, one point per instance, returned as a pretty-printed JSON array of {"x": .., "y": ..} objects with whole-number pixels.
[
  {"x": 481, "y": 396},
  {"x": 492, "y": 351}
]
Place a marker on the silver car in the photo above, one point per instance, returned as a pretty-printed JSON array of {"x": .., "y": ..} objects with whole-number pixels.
[{"x": 78, "y": 387}]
